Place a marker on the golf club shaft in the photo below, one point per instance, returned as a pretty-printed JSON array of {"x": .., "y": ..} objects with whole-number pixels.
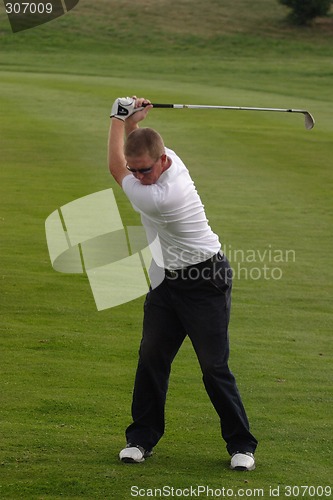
[{"x": 309, "y": 121}]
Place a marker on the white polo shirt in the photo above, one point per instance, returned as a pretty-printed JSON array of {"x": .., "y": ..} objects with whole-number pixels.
[{"x": 171, "y": 210}]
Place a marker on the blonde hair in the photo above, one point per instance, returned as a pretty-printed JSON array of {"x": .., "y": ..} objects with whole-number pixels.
[{"x": 142, "y": 141}]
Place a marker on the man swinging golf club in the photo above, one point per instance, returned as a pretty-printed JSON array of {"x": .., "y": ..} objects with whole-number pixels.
[{"x": 193, "y": 296}]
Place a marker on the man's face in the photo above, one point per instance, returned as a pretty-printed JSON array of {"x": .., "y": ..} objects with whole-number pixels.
[{"x": 146, "y": 169}]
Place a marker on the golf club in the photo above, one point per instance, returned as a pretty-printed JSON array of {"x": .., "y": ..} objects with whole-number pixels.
[{"x": 309, "y": 120}]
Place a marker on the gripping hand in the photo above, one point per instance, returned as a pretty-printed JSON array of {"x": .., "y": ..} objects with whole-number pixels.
[{"x": 123, "y": 107}]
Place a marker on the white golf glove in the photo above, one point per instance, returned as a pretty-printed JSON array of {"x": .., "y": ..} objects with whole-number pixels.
[{"x": 123, "y": 107}]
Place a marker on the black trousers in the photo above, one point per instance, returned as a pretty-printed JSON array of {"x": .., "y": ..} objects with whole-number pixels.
[{"x": 194, "y": 302}]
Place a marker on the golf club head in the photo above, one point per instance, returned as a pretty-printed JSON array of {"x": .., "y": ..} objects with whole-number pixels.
[{"x": 309, "y": 120}]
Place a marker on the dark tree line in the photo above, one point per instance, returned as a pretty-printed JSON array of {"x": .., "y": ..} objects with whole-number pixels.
[{"x": 304, "y": 11}]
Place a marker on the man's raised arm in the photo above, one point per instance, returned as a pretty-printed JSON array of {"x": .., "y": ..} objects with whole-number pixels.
[{"x": 125, "y": 115}]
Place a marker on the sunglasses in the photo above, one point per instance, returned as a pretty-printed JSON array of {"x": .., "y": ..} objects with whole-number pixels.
[{"x": 143, "y": 171}]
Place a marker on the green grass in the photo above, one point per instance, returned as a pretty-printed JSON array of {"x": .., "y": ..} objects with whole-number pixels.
[{"x": 67, "y": 370}]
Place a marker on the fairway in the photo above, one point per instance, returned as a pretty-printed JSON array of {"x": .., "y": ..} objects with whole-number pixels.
[{"x": 67, "y": 370}]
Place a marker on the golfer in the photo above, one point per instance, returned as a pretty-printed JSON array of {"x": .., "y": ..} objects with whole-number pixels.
[{"x": 190, "y": 292}]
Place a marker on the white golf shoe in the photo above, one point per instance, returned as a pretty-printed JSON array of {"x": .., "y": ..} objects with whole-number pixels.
[
  {"x": 134, "y": 454},
  {"x": 242, "y": 461}
]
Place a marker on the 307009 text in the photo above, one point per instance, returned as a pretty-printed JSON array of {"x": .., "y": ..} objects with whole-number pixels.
[
  {"x": 29, "y": 8},
  {"x": 197, "y": 491}
]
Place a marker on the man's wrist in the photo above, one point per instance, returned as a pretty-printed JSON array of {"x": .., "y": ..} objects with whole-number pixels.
[
  {"x": 130, "y": 125},
  {"x": 116, "y": 118}
]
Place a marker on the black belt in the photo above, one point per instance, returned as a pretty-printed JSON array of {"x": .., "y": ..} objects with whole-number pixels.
[{"x": 184, "y": 272}]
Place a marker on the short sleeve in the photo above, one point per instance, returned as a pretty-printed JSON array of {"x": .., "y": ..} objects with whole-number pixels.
[{"x": 143, "y": 198}]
